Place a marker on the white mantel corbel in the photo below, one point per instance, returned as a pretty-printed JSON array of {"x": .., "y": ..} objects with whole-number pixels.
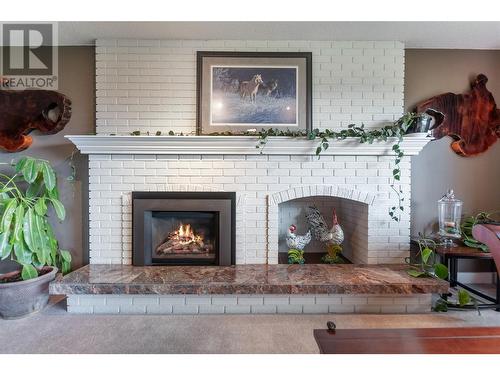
[{"x": 235, "y": 145}]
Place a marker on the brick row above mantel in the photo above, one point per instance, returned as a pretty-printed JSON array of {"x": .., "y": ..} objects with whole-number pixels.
[{"x": 236, "y": 145}]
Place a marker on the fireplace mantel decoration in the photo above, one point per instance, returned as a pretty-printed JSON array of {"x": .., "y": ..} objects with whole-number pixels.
[
  {"x": 276, "y": 142},
  {"x": 236, "y": 145}
]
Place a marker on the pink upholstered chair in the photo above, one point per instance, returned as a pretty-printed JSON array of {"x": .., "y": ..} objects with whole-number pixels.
[{"x": 489, "y": 235}]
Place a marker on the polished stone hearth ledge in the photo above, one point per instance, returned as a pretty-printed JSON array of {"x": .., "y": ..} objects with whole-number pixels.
[{"x": 246, "y": 279}]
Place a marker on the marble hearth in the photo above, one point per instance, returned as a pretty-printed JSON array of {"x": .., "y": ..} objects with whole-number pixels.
[{"x": 310, "y": 288}]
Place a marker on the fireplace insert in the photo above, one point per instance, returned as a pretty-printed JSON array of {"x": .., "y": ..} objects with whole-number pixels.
[{"x": 183, "y": 228}]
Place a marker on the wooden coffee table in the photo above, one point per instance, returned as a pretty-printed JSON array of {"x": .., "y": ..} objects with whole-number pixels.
[{"x": 470, "y": 340}]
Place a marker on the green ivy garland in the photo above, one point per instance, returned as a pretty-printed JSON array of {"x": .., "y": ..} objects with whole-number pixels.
[{"x": 395, "y": 130}]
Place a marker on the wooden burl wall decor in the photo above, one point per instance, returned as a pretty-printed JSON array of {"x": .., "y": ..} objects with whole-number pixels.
[
  {"x": 471, "y": 119},
  {"x": 21, "y": 112}
]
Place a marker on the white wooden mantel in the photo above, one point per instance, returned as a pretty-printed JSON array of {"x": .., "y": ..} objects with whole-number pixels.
[{"x": 235, "y": 145}]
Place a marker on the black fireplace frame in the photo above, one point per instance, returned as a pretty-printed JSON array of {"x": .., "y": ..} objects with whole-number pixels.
[{"x": 143, "y": 201}]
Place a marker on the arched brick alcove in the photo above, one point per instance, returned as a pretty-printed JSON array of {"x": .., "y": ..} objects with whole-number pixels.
[{"x": 352, "y": 206}]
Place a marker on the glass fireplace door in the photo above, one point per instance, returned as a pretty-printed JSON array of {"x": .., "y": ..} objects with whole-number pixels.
[
  {"x": 184, "y": 237},
  {"x": 183, "y": 228}
]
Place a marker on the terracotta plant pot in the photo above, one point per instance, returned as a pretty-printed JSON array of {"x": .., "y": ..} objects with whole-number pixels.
[{"x": 20, "y": 298}]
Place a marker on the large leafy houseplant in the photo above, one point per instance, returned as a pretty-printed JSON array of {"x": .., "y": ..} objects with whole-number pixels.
[{"x": 26, "y": 236}]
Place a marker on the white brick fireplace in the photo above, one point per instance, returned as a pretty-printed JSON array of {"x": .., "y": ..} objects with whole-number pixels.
[{"x": 149, "y": 85}]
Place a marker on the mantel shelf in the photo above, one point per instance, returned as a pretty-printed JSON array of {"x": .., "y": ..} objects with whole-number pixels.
[{"x": 235, "y": 145}]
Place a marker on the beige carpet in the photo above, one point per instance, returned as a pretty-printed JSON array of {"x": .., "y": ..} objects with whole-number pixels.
[{"x": 55, "y": 331}]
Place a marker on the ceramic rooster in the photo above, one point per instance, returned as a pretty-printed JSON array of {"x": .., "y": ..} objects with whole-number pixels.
[
  {"x": 294, "y": 241},
  {"x": 330, "y": 236}
]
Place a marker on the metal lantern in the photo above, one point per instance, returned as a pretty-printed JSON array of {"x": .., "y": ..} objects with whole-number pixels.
[{"x": 449, "y": 213}]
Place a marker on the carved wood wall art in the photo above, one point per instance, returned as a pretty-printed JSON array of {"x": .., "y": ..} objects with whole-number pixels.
[
  {"x": 21, "y": 112},
  {"x": 471, "y": 119}
]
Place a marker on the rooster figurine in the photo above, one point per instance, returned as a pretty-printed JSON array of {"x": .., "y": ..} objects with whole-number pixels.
[
  {"x": 296, "y": 245},
  {"x": 294, "y": 241},
  {"x": 331, "y": 237}
]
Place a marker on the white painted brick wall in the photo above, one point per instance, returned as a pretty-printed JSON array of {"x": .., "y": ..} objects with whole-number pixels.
[
  {"x": 373, "y": 237},
  {"x": 249, "y": 304},
  {"x": 150, "y": 85}
]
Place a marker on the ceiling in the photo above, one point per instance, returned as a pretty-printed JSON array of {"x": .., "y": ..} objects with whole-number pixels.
[{"x": 455, "y": 35}]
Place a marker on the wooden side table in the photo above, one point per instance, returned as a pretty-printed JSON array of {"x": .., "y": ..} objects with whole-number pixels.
[{"x": 451, "y": 255}]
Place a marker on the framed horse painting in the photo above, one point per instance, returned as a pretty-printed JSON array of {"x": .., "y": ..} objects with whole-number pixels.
[{"x": 241, "y": 92}]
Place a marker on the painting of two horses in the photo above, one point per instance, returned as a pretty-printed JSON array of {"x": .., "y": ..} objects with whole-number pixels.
[{"x": 254, "y": 95}]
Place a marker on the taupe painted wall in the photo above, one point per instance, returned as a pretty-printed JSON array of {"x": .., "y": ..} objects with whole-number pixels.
[
  {"x": 476, "y": 180},
  {"x": 77, "y": 81}
]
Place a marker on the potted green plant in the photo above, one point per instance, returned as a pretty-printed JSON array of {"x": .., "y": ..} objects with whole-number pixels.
[
  {"x": 27, "y": 238},
  {"x": 429, "y": 266}
]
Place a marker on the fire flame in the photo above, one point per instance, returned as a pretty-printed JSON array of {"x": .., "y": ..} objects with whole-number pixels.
[{"x": 186, "y": 235}]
